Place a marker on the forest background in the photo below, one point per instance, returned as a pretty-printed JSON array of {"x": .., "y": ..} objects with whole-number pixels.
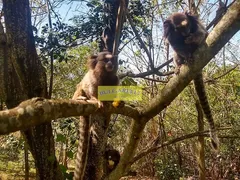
[{"x": 172, "y": 144}]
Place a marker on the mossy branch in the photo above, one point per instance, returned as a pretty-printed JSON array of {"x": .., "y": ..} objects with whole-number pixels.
[{"x": 37, "y": 111}]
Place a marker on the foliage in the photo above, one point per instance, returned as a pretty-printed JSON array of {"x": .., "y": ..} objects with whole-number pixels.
[
  {"x": 71, "y": 44},
  {"x": 11, "y": 146},
  {"x": 168, "y": 169},
  {"x": 57, "y": 40},
  {"x": 71, "y": 72}
]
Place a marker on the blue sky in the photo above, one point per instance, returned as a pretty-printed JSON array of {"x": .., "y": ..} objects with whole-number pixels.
[{"x": 68, "y": 10}]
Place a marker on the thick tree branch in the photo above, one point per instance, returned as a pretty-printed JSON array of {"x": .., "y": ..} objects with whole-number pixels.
[
  {"x": 119, "y": 24},
  {"x": 224, "y": 30},
  {"x": 220, "y": 35},
  {"x": 37, "y": 111}
]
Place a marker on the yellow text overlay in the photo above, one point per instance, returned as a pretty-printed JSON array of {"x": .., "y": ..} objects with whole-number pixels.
[{"x": 122, "y": 93}]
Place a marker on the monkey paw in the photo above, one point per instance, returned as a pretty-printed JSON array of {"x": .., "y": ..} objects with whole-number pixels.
[
  {"x": 177, "y": 70},
  {"x": 81, "y": 98},
  {"x": 189, "y": 39},
  {"x": 190, "y": 59},
  {"x": 100, "y": 104}
]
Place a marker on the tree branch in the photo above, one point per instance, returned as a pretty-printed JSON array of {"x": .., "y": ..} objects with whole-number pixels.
[
  {"x": 37, "y": 111},
  {"x": 173, "y": 141},
  {"x": 224, "y": 74},
  {"x": 141, "y": 41},
  {"x": 147, "y": 73},
  {"x": 220, "y": 35},
  {"x": 223, "y": 31}
]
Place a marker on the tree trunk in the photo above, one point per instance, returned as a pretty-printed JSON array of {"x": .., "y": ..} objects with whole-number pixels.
[
  {"x": 3, "y": 56},
  {"x": 24, "y": 77},
  {"x": 98, "y": 142}
]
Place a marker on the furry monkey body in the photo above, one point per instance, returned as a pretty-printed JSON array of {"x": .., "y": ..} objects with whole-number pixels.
[
  {"x": 100, "y": 73},
  {"x": 185, "y": 33}
]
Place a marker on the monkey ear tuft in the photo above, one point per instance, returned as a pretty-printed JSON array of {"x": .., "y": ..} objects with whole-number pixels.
[
  {"x": 167, "y": 26},
  {"x": 168, "y": 21},
  {"x": 108, "y": 56},
  {"x": 186, "y": 12},
  {"x": 92, "y": 61},
  {"x": 93, "y": 56}
]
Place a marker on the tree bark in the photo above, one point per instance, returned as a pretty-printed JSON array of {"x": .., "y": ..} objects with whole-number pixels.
[
  {"x": 38, "y": 111},
  {"x": 3, "y": 55},
  {"x": 98, "y": 142},
  {"x": 25, "y": 78},
  {"x": 95, "y": 165}
]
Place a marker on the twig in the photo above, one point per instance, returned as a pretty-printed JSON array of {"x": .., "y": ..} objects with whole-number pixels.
[
  {"x": 141, "y": 41},
  {"x": 173, "y": 141},
  {"x": 224, "y": 74}
]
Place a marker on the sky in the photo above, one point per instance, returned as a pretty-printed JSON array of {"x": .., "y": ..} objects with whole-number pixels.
[{"x": 68, "y": 10}]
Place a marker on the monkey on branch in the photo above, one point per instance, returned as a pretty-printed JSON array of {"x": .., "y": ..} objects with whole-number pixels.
[
  {"x": 102, "y": 70},
  {"x": 100, "y": 73},
  {"x": 184, "y": 32}
]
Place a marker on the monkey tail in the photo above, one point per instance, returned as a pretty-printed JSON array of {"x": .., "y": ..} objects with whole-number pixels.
[
  {"x": 83, "y": 147},
  {"x": 201, "y": 92}
]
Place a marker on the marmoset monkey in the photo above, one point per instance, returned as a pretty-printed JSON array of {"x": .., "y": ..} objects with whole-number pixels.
[
  {"x": 113, "y": 157},
  {"x": 185, "y": 33},
  {"x": 101, "y": 73}
]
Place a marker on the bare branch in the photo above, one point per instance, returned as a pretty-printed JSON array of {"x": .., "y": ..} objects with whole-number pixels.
[
  {"x": 173, "y": 141},
  {"x": 224, "y": 74},
  {"x": 220, "y": 12},
  {"x": 141, "y": 41},
  {"x": 148, "y": 73}
]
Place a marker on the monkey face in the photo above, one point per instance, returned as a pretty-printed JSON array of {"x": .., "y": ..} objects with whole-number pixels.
[
  {"x": 101, "y": 62},
  {"x": 107, "y": 62},
  {"x": 183, "y": 28},
  {"x": 111, "y": 163},
  {"x": 109, "y": 65},
  {"x": 181, "y": 23},
  {"x": 112, "y": 157},
  {"x": 185, "y": 31}
]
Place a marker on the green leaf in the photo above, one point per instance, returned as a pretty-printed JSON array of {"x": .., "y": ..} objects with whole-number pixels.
[
  {"x": 60, "y": 138},
  {"x": 70, "y": 154},
  {"x": 63, "y": 168}
]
